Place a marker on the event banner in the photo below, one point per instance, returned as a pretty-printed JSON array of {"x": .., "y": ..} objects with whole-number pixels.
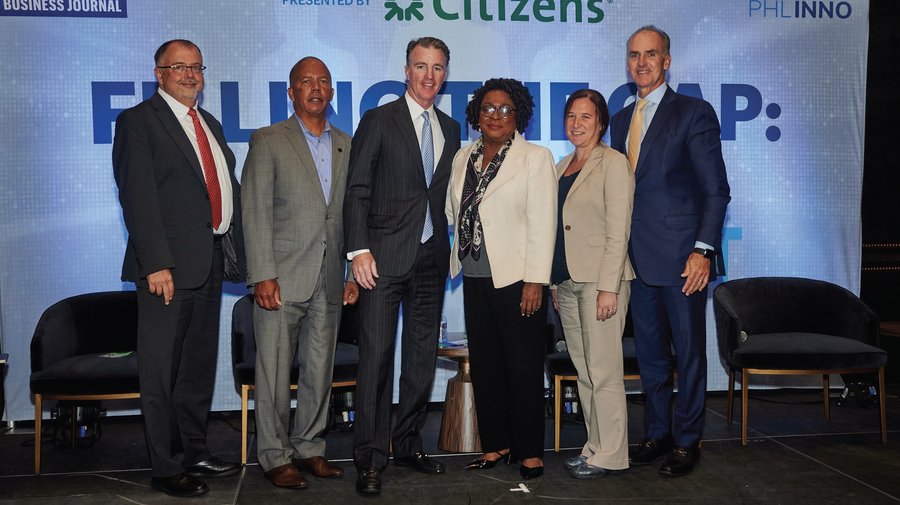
[{"x": 787, "y": 79}]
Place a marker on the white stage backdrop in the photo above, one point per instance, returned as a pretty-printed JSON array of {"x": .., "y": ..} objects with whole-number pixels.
[{"x": 787, "y": 78}]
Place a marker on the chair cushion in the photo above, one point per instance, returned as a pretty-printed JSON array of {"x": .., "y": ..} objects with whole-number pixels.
[
  {"x": 559, "y": 363},
  {"x": 630, "y": 357},
  {"x": 88, "y": 374},
  {"x": 346, "y": 364},
  {"x": 805, "y": 351}
]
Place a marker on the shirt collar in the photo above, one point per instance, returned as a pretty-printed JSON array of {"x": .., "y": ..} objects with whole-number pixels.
[
  {"x": 655, "y": 96},
  {"x": 306, "y": 130},
  {"x": 177, "y": 107},
  {"x": 415, "y": 110}
]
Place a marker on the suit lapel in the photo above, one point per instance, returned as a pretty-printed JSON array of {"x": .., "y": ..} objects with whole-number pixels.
[
  {"x": 593, "y": 163},
  {"x": 219, "y": 135},
  {"x": 339, "y": 149},
  {"x": 509, "y": 167},
  {"x": 297, "y": 139},
  {"x": 620, "y": 128},
  {"x": 447, "y": 153},
  {"x": 663, "y": 111},
  {"x": 177, "y": 133},
  {"x": 407, "y": 132}
]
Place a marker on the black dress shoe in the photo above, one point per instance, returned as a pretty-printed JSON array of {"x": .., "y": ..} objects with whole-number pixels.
[
  {"x": 484, "y": 464},
  {"x": 680, "y": 462},
  {"x": 213, "y": 467},
  {"x": 369, "y": 481},
  {"x": 181, "y": 485},
  {"x": 650, "y": 451},
  {"x": 531, "y": 472},
  {"x": 420, "y": 462}
]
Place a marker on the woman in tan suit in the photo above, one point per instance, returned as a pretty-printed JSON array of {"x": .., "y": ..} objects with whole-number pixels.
[
  {"x": 591, "y": 279},
  {"x": 502, "y": 200}
]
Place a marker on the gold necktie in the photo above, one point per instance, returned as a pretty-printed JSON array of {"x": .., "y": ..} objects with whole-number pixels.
[{"x": 634, "y": 133}]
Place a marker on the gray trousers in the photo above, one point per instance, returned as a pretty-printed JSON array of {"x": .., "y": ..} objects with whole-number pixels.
[{"x": 309, "y": 331}]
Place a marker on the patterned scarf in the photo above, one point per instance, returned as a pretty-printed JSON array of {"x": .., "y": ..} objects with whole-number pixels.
[{"x": 471, "y": 235}]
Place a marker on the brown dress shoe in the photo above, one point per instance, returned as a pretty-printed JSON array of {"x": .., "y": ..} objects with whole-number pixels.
[
  {"x": 287, "y": 476},
  {"x": 318, "y": 466}
]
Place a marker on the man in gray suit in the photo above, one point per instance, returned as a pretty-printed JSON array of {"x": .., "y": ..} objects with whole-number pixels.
[{"x": 294, "y": 180}]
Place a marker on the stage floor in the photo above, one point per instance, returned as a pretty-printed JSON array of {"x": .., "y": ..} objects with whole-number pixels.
[{"x": 795, "y": 457}]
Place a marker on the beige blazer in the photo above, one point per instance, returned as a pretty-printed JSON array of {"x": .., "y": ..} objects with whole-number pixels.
[
  {"x": 597, "y": 219},
  {"x": 518, "y": 213}
]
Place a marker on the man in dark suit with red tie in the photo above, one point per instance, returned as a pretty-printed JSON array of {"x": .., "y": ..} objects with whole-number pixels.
[
  {"x": 396, "y": 237},
  {"x": 179, "y": 198},
  {"x": 681, "y": 193}
]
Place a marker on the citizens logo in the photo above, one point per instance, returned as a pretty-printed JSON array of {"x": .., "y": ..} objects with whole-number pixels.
[
  {"x": 542, "y": 11},
  {"x": 799, "y": 9},
  {"x": 65, "y": 8}
]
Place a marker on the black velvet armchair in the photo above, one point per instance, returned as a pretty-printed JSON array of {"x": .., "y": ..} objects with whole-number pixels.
[
  {"x": 83, "y": 349},
  {"x": 243, "y": 358},
  {"x": 794, "y": 326}
]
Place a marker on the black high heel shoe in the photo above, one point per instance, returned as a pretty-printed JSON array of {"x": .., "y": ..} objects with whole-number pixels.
[
  {"x": 484, "y": 464},
  {"x": 531, "y": 472}
]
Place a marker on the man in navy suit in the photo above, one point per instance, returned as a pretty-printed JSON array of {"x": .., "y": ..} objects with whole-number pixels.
[
  {"x": 396, "y": 237},
  {"x": 179, "y": 199},
  {"x": 681, "y": 193}
]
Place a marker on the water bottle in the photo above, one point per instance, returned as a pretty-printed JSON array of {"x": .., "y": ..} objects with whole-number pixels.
[{"x": 442, "y": 334}]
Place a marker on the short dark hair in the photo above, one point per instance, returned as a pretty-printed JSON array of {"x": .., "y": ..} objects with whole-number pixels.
[
  {"x": 599, "y": 102},
  {"x": 292, "y": 78},
  {"x": 165, "y": 46},
  {"x": 667, "y": 43},
  {"x": 428, "y": 42},
  {"x": 521, "y": 98}
]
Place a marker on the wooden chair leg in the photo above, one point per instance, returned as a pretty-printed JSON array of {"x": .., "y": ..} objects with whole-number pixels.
[
  {"x": 730, "y": 415},
  {"x": 245, "y": 394},
  {"x": 881, "y": 405},
  {"x": 557, "y": 393},
  {"x": 825, "y": 399},
  {"x": 745, "y": 401},
  {"x": 38, "y": 414}
]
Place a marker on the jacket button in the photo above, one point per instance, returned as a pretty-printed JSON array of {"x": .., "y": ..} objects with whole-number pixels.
[
  {"x": 209, "y": 225},
  {"x": 323, "y": 243},
  {"x": 567, "y": 228}
]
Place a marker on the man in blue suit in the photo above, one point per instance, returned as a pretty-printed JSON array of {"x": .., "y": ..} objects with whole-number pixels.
[{"x": 681, "y": 192}]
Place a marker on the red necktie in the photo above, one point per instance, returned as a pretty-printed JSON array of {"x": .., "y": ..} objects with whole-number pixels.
[{"x": 209, "y": 170}]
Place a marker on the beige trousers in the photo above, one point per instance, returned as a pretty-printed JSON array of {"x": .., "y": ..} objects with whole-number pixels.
[{"x": 596, "y": 350}]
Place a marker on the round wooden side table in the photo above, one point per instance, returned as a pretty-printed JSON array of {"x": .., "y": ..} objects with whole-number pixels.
[{"x": 459, "y": 426}]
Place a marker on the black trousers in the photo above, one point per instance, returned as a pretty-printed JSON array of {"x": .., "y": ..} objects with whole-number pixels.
[
  {"x": 421, "y": 293},
  {"x": 506, "y": 352},
  {"x": 177, "y": 346}
]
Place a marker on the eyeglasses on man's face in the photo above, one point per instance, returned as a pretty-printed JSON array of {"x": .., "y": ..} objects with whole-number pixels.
[
  {"x": 488, "y": 110},
  {"x": 181, "y": 68}
]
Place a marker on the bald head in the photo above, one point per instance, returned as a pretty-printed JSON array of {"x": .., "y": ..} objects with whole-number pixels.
[{"x": 296, "y": 69}]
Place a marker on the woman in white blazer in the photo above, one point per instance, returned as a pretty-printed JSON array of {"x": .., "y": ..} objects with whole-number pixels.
[
  {"x": 591, "y": 279},
  {"x": 502, "y": 201}
]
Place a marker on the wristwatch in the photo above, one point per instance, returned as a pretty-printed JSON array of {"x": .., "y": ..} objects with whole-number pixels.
[{"x": 706, "y": 253}]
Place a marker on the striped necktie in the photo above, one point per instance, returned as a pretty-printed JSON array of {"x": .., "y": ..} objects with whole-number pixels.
[
  {"x": 209, "y": 171},
  {"x": 427, "y": 149},
  {"x": 634, "y": 133}
]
